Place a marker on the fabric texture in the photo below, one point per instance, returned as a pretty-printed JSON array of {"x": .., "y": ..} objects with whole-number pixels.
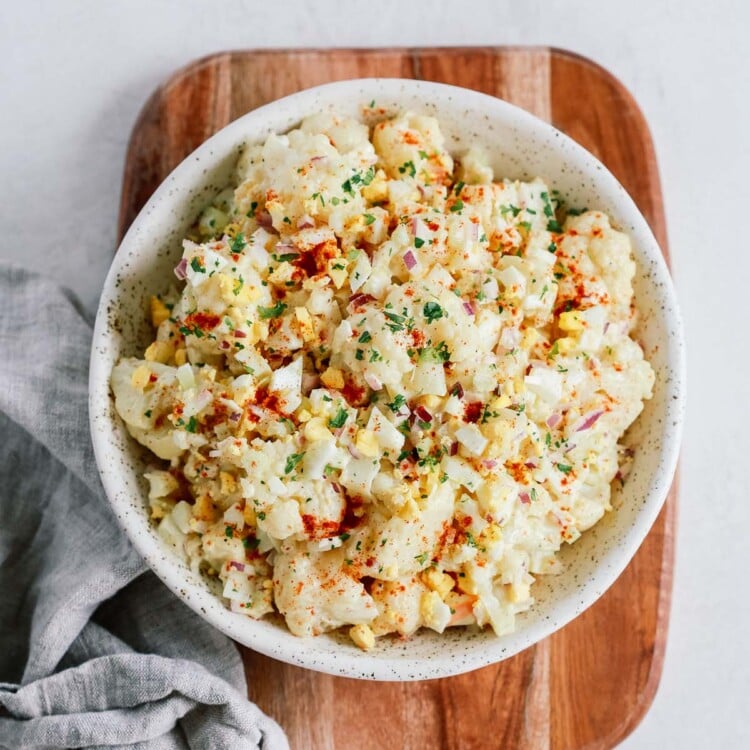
[{"x": 94, "y": 651}]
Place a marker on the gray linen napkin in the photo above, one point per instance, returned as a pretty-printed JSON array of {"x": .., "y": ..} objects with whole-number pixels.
[{"x": 94, "y": 651}]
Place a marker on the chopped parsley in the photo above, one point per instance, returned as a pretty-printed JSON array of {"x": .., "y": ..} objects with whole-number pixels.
[
  {"x": 369, "y": 219},
  {"x": 365, "y": 337},
  {"x": 192, "y": 424},
  {"x": 286, "y": 257},
  {"x": 229, "y": 532},
  {"x": 435, "y": 354},
  {"x": 272, "y": 312},
  {"x": 197, "y": 266},
  {"x": 396, "y": 321},
  {"x": 397, "y": 403},
  {"x": 238, "y": 243},
  {"x": 457, "y": 206},
  {"x": 408, "y": 168},
  {"x": 422, "y": 558},
  {"x": 418, "y": 242},
  {"x": 432, "y": 311},
  {"x": 339, "y": 419},
  {"x": 292, "y": 461},
  {"x": 564, "y": 468}
]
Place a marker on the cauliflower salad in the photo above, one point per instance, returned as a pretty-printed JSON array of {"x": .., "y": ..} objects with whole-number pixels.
[{"x": 386, "y": 386}]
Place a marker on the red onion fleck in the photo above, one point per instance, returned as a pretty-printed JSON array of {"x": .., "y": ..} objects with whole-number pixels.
[
  {"x": 418, "y": 228},
  {"x": 284, "y": 247},
  {"x": 454, "y": 448},
  {"x": 235, "y": 416},
  {"x": 409, "y": 260},
  {"x": 224, "y": 345},
  {"x": 305, "y": 221},
  {"x": 423, "y": 414},
  {"x": 525, "y": 498},
  {"x": 373, "y": 381},
  {"x": 354, "y": 452},
  {"x": 469, "y": 308},
  {"x": 180, "y": 270},
  {"x": 317, "y": 159},
  {"x": 489, "y": 463},
  {"x": 264, "y": 219},
  {"x": 553, "y": 420},
  {"x": 473, "y": 231},
  {"x": 356, "y": 301},
  {"x": 531, "y": 464},
  {"x": 240, "y": 335},
  {"x": 589, "y": 420},
  {"x": 236, "y": 566}
]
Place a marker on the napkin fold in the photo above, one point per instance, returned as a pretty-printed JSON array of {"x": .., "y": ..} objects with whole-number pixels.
[{"x": 95, "y": 651}]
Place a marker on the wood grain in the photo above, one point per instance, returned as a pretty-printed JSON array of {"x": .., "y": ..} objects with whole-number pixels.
[{"x": 586, "y": 686}]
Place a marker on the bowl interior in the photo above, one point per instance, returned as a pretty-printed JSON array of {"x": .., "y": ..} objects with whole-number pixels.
[{"x": 520, "y": 146}]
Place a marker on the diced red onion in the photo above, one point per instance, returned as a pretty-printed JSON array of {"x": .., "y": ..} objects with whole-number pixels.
[
  {"x": 454, "y": 448},
  {"x": 589, "y": 420},
  {"x": 373, "y": 381},
  {"x": 357, "y": 300},
  {"x": 423, "y": 414},
  {"x": 553, "y": 420},
  {"x": 409, "y": 260},
  {"x": 240, "y": 335},
  {"x": 223, "y": 345},
  {"x": 531, "y": 464},
  {"x": 233, "y": 565},
  {"x": 472, "y": 231},
  {"x": 418, "y": 228},
  {"x": 180, "y": 270},
  {"x": 305, "y": 221},
  {"x": 318, "y": 159},
  {"x": 489, "y": 463},
  {"x": 354, "y": 452},
  {"x": 264, "y": 219},
  {"x": 235, "y": 416},
  {"x": 469, "y": 308},
  {"x": 525, "y": 498},
  {"x": 284, "y": 247}
]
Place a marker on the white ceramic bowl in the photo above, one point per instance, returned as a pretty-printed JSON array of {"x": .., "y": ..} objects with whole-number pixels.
[{"x": 520, "y": 146}]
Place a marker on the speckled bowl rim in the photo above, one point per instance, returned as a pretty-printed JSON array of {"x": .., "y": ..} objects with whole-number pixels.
[{"x": 347, "y": 661}]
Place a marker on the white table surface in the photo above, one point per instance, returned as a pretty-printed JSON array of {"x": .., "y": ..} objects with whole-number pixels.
[{"x": 74, "y": 75}]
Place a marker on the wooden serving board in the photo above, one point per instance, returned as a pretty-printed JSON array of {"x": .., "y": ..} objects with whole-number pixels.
[{"x": 586, "y": 686}]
